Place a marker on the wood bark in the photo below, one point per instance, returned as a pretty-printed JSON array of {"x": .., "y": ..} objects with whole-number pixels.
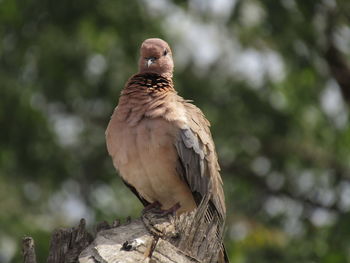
[
  {"x": 154, "y": 237},
  {"x": 28, "y": 250}
]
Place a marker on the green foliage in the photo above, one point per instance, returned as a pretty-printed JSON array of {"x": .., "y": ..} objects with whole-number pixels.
[{"x": 256, "y": 68}]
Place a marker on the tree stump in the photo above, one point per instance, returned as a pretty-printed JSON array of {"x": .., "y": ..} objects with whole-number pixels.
[{"x": 152, "y": 238}]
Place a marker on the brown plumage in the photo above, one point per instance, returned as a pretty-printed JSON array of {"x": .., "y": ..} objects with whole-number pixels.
[{"x": 160, "y": 143}]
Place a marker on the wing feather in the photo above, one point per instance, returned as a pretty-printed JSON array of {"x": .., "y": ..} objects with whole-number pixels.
[{"x": 197, "y": 162}]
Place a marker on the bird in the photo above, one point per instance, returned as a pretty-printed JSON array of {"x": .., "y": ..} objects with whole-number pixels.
[{"x": 160, "y": 143}]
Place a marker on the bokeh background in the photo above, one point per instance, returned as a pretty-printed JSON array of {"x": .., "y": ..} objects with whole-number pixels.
[{"x": 272, "y": 76}]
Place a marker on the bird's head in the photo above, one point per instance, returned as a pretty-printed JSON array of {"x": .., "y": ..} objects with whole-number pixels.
[{"x": 156, "y": 57}]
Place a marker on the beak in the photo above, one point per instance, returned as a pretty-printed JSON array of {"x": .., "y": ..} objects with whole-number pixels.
[{"x": 150, "y": 61}]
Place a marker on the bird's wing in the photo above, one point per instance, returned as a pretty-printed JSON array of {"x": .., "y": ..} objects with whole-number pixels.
[{"x": 198, "y": 164}]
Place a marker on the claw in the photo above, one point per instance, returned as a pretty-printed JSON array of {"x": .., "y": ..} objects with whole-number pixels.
[
  {"x": 171, "y": 211},
  {"x": 149, "y": 207}
]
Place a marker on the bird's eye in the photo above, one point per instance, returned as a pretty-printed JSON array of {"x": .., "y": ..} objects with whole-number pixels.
[{"x": 165, "y": 52}]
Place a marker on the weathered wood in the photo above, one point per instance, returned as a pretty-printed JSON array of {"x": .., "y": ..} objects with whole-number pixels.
[
  {"x": 67, "y": 244},
  {"x": 131, "y": 242},
  {"x": 193, "y": 237},
  {"x": 155, "y": 237},
  {"x": 28, "y": 250}
]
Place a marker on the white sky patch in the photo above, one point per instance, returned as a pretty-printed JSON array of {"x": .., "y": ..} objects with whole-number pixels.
[
  {"x": 96, "y": 65},
  {"x": 293, "y": 226},
  {"x": 250, "y": 66},
  {"x": 305, "y": 181},
  {"x": 218, "y": 8},
  {"x": 326, "y": 196},
  {"x": 8, "y": 247},
  {"x": 67, "y": 206},
  {"x": 193, "y": 40},
  {"x": 104, "y": 198},
  {"x": 274, "y": 206},
  {"x": 158, "y": 6},
  {"x": 322, "y": 217},
  {"x": 283, "y": 205},
  {"x": 252, "y": 14},
  {"x": 74, "y": 209},
  {"x": 333, "y": 105},
  {"x": 261, "y": 165},
  {"x": 344, "y": 196},
  {"x": 293, "y": 208},
  {"x": 274, "y": 66},
  {"x": 66, "y": 126},
  {"x": 342, "y": 38},
  {"x": 293, "y": 211},
  {"x": 202, "y": 45},
  {"x": 239, "y": 231},
  {"x": 253, "y": 66}
]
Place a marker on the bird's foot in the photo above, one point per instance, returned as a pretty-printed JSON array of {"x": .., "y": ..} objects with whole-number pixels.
[
  {"x": 171, "y": 211},
  {"x": 161, "y": 222},
  {"x": 152, "y": 206}
]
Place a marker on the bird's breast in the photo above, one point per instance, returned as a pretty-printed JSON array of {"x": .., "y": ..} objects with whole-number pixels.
[{"x": 146, "y": 158}]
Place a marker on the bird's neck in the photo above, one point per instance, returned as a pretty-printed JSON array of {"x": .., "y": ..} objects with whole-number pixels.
[
  {"x": 149, "y": 83},
  {"x": 149, "y": 90}
]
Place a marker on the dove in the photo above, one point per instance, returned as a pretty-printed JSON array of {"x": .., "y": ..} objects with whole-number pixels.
[{"x": 160, "y": 143}]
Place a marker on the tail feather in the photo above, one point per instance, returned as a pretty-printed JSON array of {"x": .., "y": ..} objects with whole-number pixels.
[{"x": 223, "y": 258}]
